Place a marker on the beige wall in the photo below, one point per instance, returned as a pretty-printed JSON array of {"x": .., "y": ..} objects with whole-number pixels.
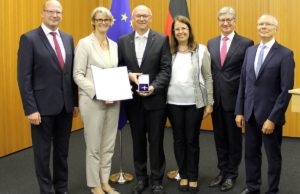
[{"x": 19, "y": 16}]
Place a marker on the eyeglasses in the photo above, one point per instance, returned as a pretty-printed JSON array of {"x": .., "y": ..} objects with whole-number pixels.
[
  {"x": 226, "y": 20},
  {"x": 100, "y": 20},
  {"x": 140, "y": 16},
  {"x": 265, "y": 24},
  {"x": 180, "y": 29},
  {"x": 52, "y": 12}
]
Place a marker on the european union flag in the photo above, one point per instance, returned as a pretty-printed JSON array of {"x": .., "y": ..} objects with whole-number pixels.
[{"x": 120, "y": 9}]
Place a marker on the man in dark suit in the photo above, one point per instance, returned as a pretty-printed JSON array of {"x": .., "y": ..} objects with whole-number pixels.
[
  {"x": 227, "y": 55},
  {"x": 267, "y": 75},
  {"x": 49, "y": 95},
  {"x": 147, "y": 52}
]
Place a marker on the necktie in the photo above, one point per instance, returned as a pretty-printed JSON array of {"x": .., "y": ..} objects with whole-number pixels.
[
  {"x": 58, "y": 51},
  {"x": 223, "y": 49},
  {"x": 260, "y": 59}
]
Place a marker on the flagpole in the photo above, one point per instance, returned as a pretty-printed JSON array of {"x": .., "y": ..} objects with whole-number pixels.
[{"x": 121, "y": 177}]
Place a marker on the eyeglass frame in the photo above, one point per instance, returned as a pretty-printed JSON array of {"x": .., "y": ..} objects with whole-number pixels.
[
  {"x": 140, "y": 16},
  {"x": 182, "y": 29},
  {"x": 100, "y": 20},
  {"x": 228, "y": 20},
  {"x": 266, "y": 24},
  {"x": 52, "y": 12}
]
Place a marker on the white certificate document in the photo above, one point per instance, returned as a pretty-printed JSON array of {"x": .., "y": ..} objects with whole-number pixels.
[{"x": 112, "y": 83}]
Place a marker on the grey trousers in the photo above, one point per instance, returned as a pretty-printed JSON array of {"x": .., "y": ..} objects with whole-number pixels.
[{"x": 100, "y": 129}]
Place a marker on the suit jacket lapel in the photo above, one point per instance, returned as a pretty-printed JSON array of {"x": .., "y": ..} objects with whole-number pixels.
[
  {"x": 67, "y": 50},
  {"x": 150, "y": 40},
  {"x": 216, "y": 50},
  {"x": 252, "y": 57},
  {"x": 233, "y": 46},
  {"x": 97, "y": 47},
  {"x": 132, "y": 48},
  {"x": 267, "y": 59},
  {"x": 49, "y": 47}
]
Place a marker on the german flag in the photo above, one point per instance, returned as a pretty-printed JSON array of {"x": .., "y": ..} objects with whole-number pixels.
[{"x": 176, "y": 7}]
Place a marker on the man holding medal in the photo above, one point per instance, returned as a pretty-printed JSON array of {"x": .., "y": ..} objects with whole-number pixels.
[{"x": 147, "y": 56}]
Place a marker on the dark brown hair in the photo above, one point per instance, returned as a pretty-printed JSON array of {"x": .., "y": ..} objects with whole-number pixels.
[{"x": 192, "y": 44}]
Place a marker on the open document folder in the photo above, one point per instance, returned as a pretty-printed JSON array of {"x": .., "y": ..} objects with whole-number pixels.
[{"x": 112, "y": 83}]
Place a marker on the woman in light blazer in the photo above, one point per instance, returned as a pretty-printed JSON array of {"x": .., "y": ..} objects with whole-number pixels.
[{"x": 100, "y": 118}]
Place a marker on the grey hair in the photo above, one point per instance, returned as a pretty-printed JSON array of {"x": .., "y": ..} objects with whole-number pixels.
[
  {"x": 102, "y": 10},
  {"x": 226, "y": 10},
  {"x": 274, "y": 22}
]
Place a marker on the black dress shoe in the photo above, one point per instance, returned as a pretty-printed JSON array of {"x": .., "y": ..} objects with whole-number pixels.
[
  {"x": 227, "y": 185},
  {"x": 193, "y": 189},
  {"x": 247, "y": 191},
  {"x": 183, "y": 188},
  {"x": 158, "y": 189},
  {"x": 139, "y": 187},
  {"x": 217, "y": 181}
]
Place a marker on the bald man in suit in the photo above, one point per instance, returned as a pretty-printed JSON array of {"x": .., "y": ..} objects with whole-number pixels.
[
  {"x": 49, "y": 95},
  {"x": 267, "y": 75},
  {"x": 145, "y": 51}
]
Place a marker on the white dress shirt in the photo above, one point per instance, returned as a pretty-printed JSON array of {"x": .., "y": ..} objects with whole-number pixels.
[
  {"x": 228, "y": 42},
  {"x": 268, "y": 46},
  {"x": 50, "y": 38},
  {"x": 140, "y": 42}
]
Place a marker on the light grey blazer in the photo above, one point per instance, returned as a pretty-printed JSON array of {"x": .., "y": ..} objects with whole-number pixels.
[
  {"x": 88, "y": 52},
  {"x": 100, "y": 119}
]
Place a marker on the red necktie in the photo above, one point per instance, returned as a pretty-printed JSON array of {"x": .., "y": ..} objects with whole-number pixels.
[
  {"x": 223, "y": 50},
  {"x": 58, "y": 51}
]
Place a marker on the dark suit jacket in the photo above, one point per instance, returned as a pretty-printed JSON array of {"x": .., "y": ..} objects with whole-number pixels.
[
  {"x": 226, "y": 79},
  {"x": 156, "y": 62},
  {"x": 267, "y": 95},
  {"x": 44, "y": 87}
]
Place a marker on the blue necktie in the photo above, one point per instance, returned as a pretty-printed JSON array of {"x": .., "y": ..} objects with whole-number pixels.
[{"x": 260, "y": 59}]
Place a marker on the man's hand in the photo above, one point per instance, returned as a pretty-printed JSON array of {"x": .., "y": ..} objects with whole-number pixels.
[
  {"x": 34, "y": 118},
  {"x": 240, "y": 121},
  {"x": 134, "y": 77},
  {"x": 268, "y": 127},
  {"x": 151, "y": 91},
  {"x": 75, "y": 111},
  {"x": 207, "y": 111}
]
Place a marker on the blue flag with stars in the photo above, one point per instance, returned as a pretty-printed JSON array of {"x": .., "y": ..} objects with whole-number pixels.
[{"x": 120, "y": 9}]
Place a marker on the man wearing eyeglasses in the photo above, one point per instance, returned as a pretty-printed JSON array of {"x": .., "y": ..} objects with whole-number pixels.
[
  {"x": 227, "y": 55},
  {"x": 49, "y": 95},
  {"x": 145, "y": 51},
  {"x": 267, "y": 75}
]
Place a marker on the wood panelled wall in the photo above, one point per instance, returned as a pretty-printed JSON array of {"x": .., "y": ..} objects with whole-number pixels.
[{"x": 19, "y": 16}]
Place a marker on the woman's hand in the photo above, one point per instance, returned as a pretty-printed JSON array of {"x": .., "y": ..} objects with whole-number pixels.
[
  {"x": 108, "y": 102},
  {"x": 207, "y": 111}
]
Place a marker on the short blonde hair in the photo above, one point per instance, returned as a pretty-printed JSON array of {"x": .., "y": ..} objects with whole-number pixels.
[{"x": 102, "y": 10}]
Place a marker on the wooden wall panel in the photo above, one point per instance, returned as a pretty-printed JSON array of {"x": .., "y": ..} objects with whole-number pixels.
[
  {"x": 19, "y": 16},
  {"x": 288, "y": 32}
]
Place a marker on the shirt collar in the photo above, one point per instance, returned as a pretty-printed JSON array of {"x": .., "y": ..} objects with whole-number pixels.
[
  {"x": 230, "y": 36},
  {"x": 268, "y": 44},
  {"x": 145, "y": 35},
  {"x": 47, "y": 30}
]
